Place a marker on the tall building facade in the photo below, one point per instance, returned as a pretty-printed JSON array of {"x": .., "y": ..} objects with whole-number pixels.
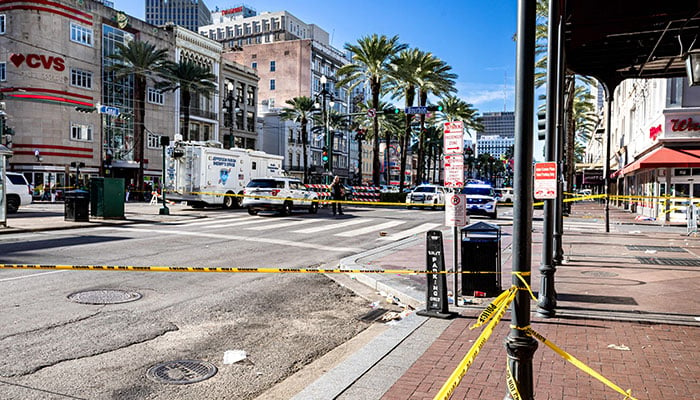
[
  {"x": 190, "y": 14},
  {"x": 291, "y": 58},
  {"x": 500, "y": 123}
]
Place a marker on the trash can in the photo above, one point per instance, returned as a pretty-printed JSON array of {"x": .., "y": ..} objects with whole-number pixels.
[
  {"x": 77, "y": 204},
  {"x": 481, "y": 252},
  {"x": 107, "y": 197}
]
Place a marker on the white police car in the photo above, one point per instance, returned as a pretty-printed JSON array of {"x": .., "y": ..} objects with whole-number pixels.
[
  {"x": 481, "y": 199},
  {"x": 426, "y": 194}
]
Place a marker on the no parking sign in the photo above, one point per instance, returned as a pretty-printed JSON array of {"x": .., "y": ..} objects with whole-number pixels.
[{"x": 455, "y": 210}]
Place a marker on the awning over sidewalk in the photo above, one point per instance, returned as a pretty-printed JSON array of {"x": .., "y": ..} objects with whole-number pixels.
[{"x": 664, "y": 157}]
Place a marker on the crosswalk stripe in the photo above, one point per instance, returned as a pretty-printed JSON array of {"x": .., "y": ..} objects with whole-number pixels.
[
  {"x": 368, "y": 229},
  {"x": 328, "y": 227},
  {"x": 283, "y": 224},
  {"x": 216, "y": 220},
  {"x": 409, "y": 232},
  {"x": 242, "y": 221}
]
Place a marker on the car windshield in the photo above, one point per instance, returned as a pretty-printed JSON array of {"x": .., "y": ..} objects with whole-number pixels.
[
  {"x": 266, "y": 183},
  {"x": 425, "y": 189},
  {"x": 479, "y": 191}
]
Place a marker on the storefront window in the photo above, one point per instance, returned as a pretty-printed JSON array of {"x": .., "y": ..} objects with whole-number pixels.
[{"x": 680, "y": 189}]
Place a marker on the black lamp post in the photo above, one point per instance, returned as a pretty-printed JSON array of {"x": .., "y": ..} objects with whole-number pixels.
[
  {"x": 231, "y": 108},
  {"x": 324, "y": 93},
  {"x": 164, "y": 142},
  {"x": 360, "y": 136}
]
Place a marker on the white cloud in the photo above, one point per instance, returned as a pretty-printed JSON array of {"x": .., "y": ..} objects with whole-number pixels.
[{"x": 487, "y": 97}]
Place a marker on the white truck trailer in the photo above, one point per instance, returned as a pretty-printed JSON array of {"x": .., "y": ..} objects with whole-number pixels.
[{"x": 204, "y": 174}]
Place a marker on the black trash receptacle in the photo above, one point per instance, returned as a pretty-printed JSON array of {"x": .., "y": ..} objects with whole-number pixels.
[
  {"x": 77, "y": 206},
  {"x": 481, "y": 252}
]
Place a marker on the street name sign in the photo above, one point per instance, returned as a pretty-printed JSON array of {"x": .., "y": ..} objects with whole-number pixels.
[
  {"x": 416, "y": 110},
  {"x": 113, "y": 111},
  {"x": 545, "y": 180}
]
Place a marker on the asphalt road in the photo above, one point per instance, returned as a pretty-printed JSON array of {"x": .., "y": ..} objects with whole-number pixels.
[{"x": 55, "y": 348}]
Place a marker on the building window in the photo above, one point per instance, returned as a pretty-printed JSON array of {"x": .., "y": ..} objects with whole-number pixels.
[
  {"x": 81, "y": 132},
  {"x": 80, "y": 78},
  {"x": 155, "y": 96},
  {"x": 272, "y": 66},
  {"x": 272, "y": 84},
  {"x": 153, "y": 141},
  {"x": 2, "y": 24},
  {"x": 80, "y": 34},
  {"x": 3, "y": 75},
  {"x": 254, "y": 65}
]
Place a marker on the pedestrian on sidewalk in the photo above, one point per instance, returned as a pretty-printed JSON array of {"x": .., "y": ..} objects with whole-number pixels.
[{"x": 337, "y": 194}]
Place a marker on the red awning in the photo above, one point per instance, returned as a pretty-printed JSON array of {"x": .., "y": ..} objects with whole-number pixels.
[{"x": 665, "y": 157}]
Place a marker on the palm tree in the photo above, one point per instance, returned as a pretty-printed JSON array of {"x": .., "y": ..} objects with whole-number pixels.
[
  {"x": 142, "y": 60},
  {"x": 435, "y": 79},
  {"x": 405, "y": 75},
  {"x": 456, "y": 109},
  {"x": 370, "y": 63},
  {"x": 301, "y": 111},
  {"x": 191, "y": 79}
]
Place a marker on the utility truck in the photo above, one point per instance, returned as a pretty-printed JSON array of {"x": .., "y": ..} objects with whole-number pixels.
[{"x": 204, "y": 174}]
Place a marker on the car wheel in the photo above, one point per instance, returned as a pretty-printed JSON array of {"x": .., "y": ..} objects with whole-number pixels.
[
  {"x": 287, "y": 208},
  {"x": 12, "y": 204},
  {"x": 252, "y": 212},
  {"x": 229, "y": 200},
  {"x": 314, "y": 207},
  {"x": 409, "y": 207},
  {"x": 435, "y": 207},
  {"x": 494, "y": 214}
]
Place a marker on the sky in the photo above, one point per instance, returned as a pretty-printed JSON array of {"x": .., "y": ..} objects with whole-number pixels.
[{"x": 475, "y": 37}]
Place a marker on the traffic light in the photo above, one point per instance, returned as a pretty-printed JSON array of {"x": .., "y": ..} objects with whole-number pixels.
[
  {"x": 397, "y": 110},
  {"x": 434, "y": 108},
  {"x": 324, "y": 158},
  {"x": 541, "y": 124}
]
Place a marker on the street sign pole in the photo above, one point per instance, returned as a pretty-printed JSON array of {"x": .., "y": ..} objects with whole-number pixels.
[{"x": 453, "y": 158}]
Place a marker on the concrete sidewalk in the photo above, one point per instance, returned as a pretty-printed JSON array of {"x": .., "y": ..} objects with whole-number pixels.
[{"x": 627, "y": 307}]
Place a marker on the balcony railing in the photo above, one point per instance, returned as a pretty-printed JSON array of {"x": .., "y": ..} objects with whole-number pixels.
[{"x": 196, "y": 112}]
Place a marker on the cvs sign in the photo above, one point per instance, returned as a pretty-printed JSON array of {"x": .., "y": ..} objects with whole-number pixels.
[{"x": 38, "y": 61}]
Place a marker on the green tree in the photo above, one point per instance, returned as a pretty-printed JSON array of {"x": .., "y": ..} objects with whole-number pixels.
[
  {"x": 456, "y": 109},
  {"x": 404, "y": 76},
  {"x": 191, "y": 79},
  {"x": 142, "y": 60},
  {"x": 370, "y": 63},
  {"x": 301, "y": 110}
]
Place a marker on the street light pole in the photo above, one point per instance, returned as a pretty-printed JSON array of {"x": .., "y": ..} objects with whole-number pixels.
[
  {"x": 229, "y": 106},
  {"x": 164, "y": 142},
  {"x": 326, "y": 122}
]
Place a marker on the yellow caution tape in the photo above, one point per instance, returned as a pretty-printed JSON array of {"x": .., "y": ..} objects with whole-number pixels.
[
  {"x": 580, "y": 365},
  {"x": 453, "y": 381},
  {"x": 260, "y": 270},
  {"x": 489, "y": 311},
  {"x": 512, "y": 384}
]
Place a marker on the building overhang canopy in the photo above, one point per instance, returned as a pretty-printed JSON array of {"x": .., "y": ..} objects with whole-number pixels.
[
  {"x": 665, "y": 157},
  {"x": 613, "y": 40}
]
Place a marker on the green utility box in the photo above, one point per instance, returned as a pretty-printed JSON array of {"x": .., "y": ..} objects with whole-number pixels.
[{"x": 107, "y": 197}]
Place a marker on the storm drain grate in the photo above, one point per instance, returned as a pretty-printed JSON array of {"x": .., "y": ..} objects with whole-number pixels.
[
  {"x": 104, "y": 296},
  {"x": 691, "y": 262},
  {"x": 600, "y": 274},
  {"x": 181, "y": 372},
  {"x": 669, "y": 249}
]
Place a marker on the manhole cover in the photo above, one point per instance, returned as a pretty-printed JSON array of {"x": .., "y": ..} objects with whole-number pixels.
[
  {"x": 104, "y": 296},
  {"x": 181, "y": 372},
  {"x": 600, "y": 274},
  {"x": 670, "y": 249},
  {"x": 691, "y": 262}
]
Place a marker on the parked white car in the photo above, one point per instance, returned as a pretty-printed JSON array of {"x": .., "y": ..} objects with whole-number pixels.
[
  {"x": 504, "y": 195},
  {"x": 19, "y": 191},
  {"x": 426, "y": 194},
  {"x": 281, "y": 194}
]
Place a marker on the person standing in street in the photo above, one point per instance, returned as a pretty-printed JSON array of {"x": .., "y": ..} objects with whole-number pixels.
[{"x": 337, "y": 194}]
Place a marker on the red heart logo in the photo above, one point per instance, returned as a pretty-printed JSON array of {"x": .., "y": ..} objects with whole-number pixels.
[{"x": 17, "y": 59}]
